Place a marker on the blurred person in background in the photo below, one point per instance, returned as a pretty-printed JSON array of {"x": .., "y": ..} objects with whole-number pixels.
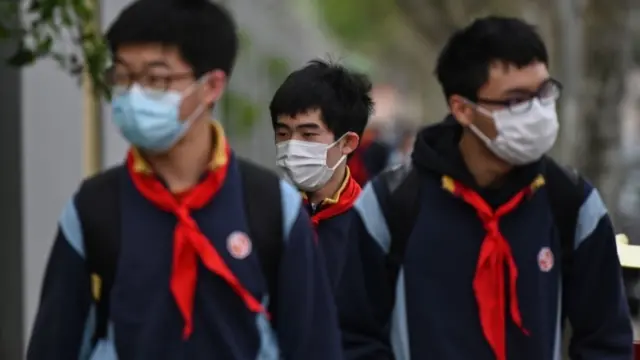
[
  {"x": 482, "y": 246},
  {"x": 372, "y": 156},
  {"x": 406, "y": 136},
  {"x": 318, "y": 115},
  {"x": 190, "y": 283}
]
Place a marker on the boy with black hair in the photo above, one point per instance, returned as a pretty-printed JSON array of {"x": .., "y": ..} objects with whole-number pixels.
[
  {"x": 318, "y": 115},
  {"x": 185, "y": 251},
  {"x": 485, "y": 244}
]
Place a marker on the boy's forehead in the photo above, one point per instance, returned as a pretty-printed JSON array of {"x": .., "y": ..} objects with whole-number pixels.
[
  {"x": 138, "y": 56},
  {"x": 505, "y": 78},
  {"x": 310, "y": 117}
]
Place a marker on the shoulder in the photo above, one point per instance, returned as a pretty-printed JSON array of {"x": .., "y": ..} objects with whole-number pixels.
[
  {"x": 389, "y": 182},
  {"x": 98, "y": 182},
  {"x": 95, "y": 193},
  {"x": 565, "y": 179},
  {"x": 394, "y": 176},
  {"x": 265, "y": 184},
  {"x": 99, "y": 191},
  {"x": 250, "y": 168},
  {"x": 573, "y": 192},
  {"x": 265, "y": 179}
]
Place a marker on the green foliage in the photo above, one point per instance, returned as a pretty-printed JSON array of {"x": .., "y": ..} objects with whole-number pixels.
[
  {"x": 359, "y": 23},
  {"x": 239, "y": 112},
  {"x": 46, "y": 22},
  {"x": 361, "y": 63},
  {"x": 635, "y": 48},
  {"x": 244, "y": 41},
  {"x": 277, "y": 69}
]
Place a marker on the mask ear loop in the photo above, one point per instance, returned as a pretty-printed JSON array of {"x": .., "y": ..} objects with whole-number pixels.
[
  {"x": 200, "y": 109},
  {"x": 474, "y": 128},
  {"x": 342, "y": 158},
  {"x": 186, "y": 124}
]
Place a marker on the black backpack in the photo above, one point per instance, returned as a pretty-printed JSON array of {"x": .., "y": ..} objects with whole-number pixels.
[
  {"x": 398, "y": 193},
  {"x": 101, "y": 229}
]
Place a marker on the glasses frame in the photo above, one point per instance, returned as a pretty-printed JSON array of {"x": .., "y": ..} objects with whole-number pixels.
[
  {"x": 150, "y": 82},
  {"x": 519, "y": 106}
]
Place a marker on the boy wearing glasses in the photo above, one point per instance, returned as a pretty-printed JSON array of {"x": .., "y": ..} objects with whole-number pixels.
[
  {"x": 486, "y": 246},
  {"x": 185, "y": 251}
]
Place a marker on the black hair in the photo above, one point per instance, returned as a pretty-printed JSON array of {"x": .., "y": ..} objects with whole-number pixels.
[
  {"x": 463, "y": 65},
  {"x": 342, "y": 96},
  {"x": 204, "y": 33}
]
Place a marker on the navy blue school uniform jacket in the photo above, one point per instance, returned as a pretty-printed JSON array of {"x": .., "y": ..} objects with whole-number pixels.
[
  {"x": 437, "y": 314},
  {"x": 145, "y": 323},
  {"x": 331, "y": 219}
]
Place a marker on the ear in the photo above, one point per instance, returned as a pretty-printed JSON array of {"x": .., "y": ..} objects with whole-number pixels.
[
  {"x": 350, "y": 143},
  {"x": 461, "y": 110},
  {"x": 214, "y": 85}
]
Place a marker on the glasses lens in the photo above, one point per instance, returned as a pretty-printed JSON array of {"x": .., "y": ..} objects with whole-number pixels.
[
  {"x": 520, "y": 107},
  {"x": 549, "y": 93},
  {"x": 155, "y": 82}
]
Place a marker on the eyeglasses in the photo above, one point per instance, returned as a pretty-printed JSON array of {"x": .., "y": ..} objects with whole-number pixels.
[
  {"x": 121, "y": 79},
  {"x": 548, "y": 92}
]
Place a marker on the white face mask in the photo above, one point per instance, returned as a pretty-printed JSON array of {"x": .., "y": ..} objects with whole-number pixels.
[
  {"x": 305, "y": 163},
  {"x": 522, "y": 138}
]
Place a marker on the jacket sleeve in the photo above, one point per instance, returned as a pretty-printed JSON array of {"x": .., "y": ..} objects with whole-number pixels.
[
  {"x": 596, "y": 303},
  {"x": 59, "y": 328},
  {"x": 363, "y": 294},
  {"x": 307, "y": 323}
]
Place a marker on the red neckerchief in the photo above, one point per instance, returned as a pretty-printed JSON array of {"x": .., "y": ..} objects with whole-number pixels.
[
  {"x": 346, "y": 198},
  {"x": 489, "y": 280},
  {"x": 189, "y": 242}
]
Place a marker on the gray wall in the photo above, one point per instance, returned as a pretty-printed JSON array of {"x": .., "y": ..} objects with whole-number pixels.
[
  {"x": 41, "y": 153},
  {"x": 51, "y": 107}
]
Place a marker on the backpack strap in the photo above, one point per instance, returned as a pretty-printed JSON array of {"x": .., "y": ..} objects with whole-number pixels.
[
  {"x": 566, "y": 193},
  {"x": 397, "y": 190},
  {"x": 263, "y": 205},
  {"x": 98, "y": 205}
]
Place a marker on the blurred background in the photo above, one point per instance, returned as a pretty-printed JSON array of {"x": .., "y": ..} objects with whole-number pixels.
[{"x": 55, "y": 128}]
